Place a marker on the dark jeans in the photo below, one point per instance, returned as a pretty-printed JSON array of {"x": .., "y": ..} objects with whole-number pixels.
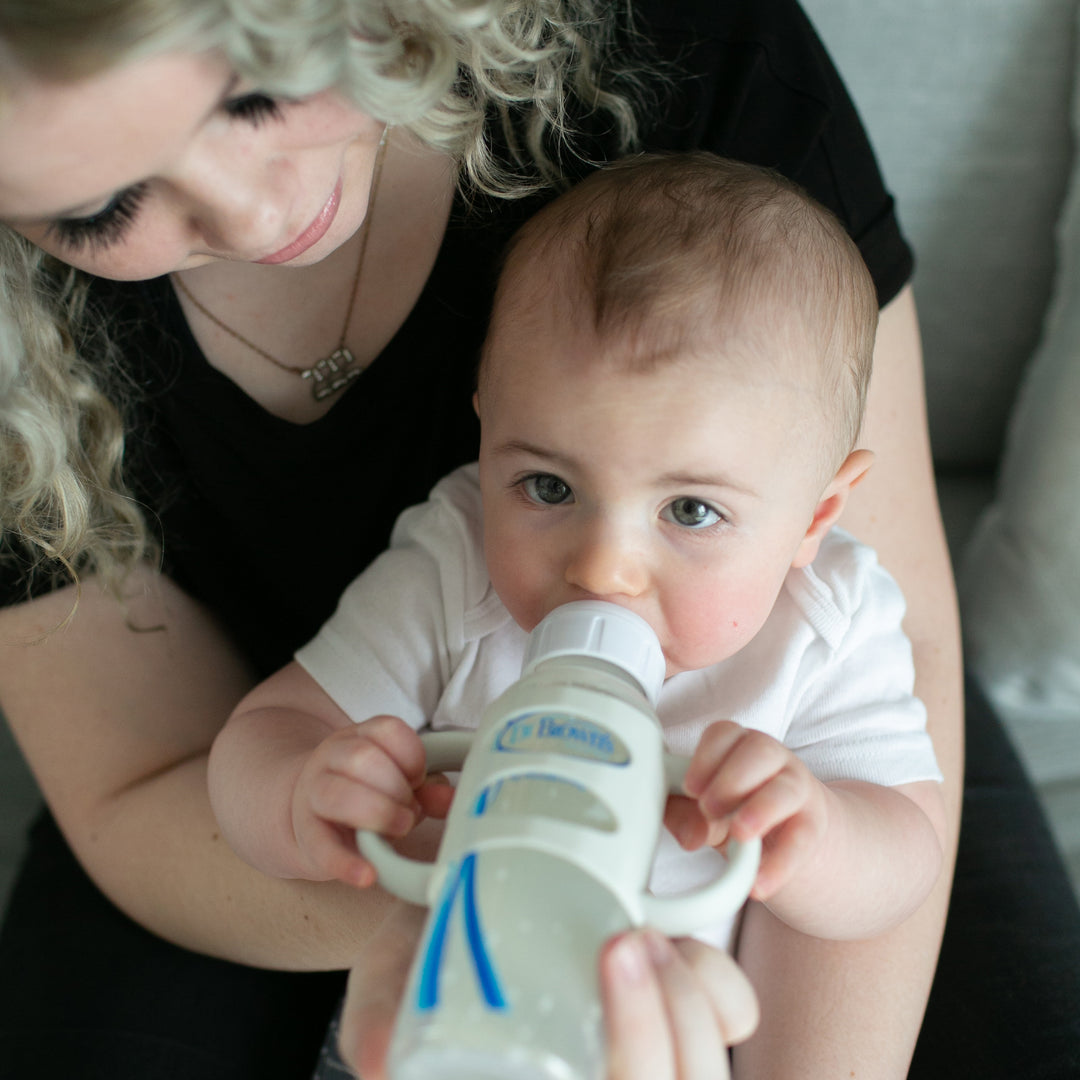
[
  {"x": 1006, "y": 999},
  {"x": 85, "y": 994}
]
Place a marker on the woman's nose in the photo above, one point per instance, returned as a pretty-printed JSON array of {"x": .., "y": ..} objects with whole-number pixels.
[
  {"x": 605, "y": 563},
  {"x": 243, "y": 211}
]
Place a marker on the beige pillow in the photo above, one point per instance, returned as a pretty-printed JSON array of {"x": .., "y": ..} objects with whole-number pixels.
[{"x": 1020, "y": 575}]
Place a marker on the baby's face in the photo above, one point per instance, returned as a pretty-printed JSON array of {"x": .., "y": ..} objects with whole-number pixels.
[{"x": 683, "y": 492}]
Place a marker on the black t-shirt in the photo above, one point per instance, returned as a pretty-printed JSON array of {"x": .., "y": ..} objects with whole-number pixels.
[{"x": 267, "y": 521}]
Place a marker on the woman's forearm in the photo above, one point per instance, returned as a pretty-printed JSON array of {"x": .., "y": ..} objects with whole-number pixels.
[
  {"x": 115, "y": 714},
  {"x": 835, "y": 1008},
  {"x": 162, "y": 859}
]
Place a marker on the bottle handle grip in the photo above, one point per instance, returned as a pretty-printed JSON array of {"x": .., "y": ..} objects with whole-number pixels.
[
  {"x": 411, "y": 879},
  {"x": 688, "y": 912}
]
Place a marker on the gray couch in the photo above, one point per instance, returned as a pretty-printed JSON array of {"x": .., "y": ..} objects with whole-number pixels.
[{"x": 968, "y": 103}]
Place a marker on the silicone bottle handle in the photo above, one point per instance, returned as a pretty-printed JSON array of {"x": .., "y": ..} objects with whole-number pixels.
[
  {"x": 412, "y": 879},
  {"x": 690, "y": 911}
]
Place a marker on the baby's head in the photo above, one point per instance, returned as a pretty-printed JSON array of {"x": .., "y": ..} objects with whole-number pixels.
[
  {"x": 669, "y": 395},
  {"x": 669, "y": 256}
]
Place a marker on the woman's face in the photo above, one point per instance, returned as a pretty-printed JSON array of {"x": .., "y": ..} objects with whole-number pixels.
[{"x": 172, "y": 162}]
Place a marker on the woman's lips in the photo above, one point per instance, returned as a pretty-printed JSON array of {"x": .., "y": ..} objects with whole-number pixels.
[{"x": 313, "y": 233}]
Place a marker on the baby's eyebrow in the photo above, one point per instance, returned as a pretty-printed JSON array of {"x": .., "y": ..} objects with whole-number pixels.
[
  {"x": 520, "y": 446},
  {"x": 699, "y": 480}
]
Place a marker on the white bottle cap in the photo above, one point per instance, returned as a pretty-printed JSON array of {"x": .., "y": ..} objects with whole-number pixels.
[{"x": 602, "y": 631}]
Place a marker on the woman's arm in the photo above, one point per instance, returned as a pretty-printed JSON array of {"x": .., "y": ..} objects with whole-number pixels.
[
  {"x": 835, "y": 1009},
  {"x": 116, "y": 724}
]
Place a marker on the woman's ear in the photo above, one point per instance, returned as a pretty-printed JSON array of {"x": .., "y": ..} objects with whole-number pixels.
[
  {"x": 476, "y": 402},
  {"x": 831, "y": 504}
]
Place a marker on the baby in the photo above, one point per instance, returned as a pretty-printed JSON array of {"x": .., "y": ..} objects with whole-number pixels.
[{"x": 669, "y": 394}]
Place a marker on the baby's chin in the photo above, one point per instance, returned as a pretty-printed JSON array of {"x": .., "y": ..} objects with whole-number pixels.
[
  {"x": 674, "y": 668},
  {"x": 678, "y": 663}
]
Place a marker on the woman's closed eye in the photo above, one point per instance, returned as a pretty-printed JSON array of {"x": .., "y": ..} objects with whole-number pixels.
[
  {"x": 692, "y": 513},
  {"x": 109, "y": 225},
  {"x": 104, "y": 228},
  {"x": 254, "y": 107},
  {"x": 546, "y": 489}
]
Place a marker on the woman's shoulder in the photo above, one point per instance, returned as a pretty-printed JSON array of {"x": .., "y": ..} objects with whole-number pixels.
[
  {"x": 775, "y": 36},
  {"x": 751, "y": 80}
]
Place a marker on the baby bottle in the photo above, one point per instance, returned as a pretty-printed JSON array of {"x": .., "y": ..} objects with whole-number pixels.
[{"x": 546, "y": 854}]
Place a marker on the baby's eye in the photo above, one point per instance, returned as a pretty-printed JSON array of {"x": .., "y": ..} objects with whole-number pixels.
[
  {"x": 691, "y": 513},
  {"x": 547, "y": 489}
]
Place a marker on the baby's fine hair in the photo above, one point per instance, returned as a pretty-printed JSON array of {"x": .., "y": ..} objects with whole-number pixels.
[
  {"x": 452, "y": 71},
  {"x": 663, "y": 251}
]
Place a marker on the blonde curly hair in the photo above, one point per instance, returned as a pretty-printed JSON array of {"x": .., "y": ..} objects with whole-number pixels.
[{"x": 444, "y": 68}]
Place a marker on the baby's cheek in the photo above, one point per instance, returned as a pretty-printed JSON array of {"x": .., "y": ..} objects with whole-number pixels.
[
  {"x": 518, "y": 584},
  {"x": 712, "y": 625}
]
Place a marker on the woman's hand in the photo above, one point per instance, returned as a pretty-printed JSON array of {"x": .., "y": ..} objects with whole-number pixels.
[{"x": 671, "y": 1008}]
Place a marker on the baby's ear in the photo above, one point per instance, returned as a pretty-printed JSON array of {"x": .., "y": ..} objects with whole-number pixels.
[{"x": 831, "y": 505}]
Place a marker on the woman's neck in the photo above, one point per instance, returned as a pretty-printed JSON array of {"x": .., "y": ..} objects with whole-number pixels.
[{"x": 297, "y": 314}]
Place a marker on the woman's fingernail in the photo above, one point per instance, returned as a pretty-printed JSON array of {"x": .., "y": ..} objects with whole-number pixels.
[{"x": 630, "y": 959}]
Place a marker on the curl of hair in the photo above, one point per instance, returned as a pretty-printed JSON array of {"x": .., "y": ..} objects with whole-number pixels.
[
  {"x": 446, "y": 69},
  {"x": 443, "y": 68},
  {"x": 63, "y": 504}
]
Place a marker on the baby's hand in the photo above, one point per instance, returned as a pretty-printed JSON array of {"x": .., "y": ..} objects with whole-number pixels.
[
  {"x": 745, "y": 784},
  {"x": 365, "y": 776}
]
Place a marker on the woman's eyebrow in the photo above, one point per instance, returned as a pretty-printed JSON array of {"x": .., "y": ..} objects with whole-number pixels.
[{"x": 94, "y": 206}]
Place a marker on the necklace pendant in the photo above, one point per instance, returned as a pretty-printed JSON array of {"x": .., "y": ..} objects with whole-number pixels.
[{"x": 332, "y": 373}]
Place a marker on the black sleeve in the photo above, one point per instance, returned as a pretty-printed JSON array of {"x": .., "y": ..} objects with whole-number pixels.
[{"x": 752, "y": 81}]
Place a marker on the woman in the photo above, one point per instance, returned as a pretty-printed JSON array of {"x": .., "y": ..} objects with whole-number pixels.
[{"x": 296, "y": 370}]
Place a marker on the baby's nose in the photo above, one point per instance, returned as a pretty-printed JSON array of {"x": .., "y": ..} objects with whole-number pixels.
[{"x": 607, "y": 565}]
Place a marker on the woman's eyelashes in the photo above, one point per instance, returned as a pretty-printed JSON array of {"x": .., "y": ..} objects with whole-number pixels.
[
  {"x": 110, "y": 225},
  {"x": 254, "y": 107},
  {"x": 104, "y": 228}
]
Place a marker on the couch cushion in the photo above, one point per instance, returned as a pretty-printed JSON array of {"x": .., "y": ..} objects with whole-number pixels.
[
  {"x": 967, "y": 102},
  {"x": 1020, "y": 578}
]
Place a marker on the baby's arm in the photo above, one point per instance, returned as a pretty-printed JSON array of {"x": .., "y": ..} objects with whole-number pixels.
[
  {"x": 847, "y": 859},
  {"x": 292, "y": 777}
]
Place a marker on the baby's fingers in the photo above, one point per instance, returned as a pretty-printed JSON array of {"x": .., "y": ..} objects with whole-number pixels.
[
  {"x": 435, "y": 795},
  {"x": 331, "y": 851},
  {"x": 783, "y": 853},
  {"x": 781, "y": 797},
  {"x": 353, "y": 804},
  {"x": 383, "y": 748},
  {"x": 751, "y": 761},
  {"x": 684, "y": 820},
  {"x": 716, "y": 742}
]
